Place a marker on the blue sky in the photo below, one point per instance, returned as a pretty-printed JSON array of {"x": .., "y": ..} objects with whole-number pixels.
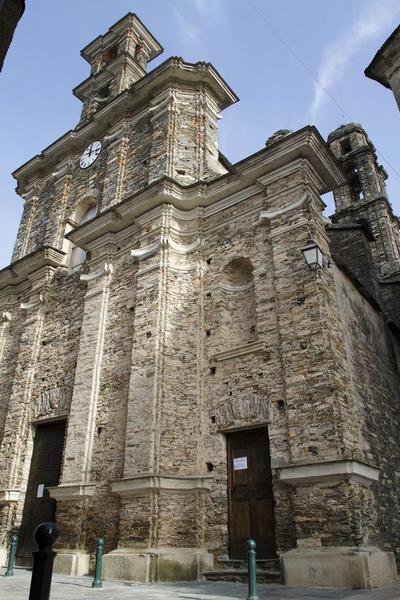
[{"x": 264, "y": 49}]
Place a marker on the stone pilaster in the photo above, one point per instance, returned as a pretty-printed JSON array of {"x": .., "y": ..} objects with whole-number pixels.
[
  {"x": 76, "y": 485},
  {"x": 17, "y": 441},
  {"x": 184, "y": 135},
  {"x": 7, "y": 348},
  {"x": 117, "y": 144},
  {"x": 164, "y": 371},
  {"x": 55, "y": 230},
  {"x": 31, "y": 198}
]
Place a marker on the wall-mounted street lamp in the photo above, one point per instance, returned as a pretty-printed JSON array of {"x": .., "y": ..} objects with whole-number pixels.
[{"x": 313, "y": 255}]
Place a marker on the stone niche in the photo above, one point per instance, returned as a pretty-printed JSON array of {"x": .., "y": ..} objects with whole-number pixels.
[{"x": 237, "y": 304}]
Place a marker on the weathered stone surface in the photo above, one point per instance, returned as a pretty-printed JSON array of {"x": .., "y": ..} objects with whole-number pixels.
[{"x": 194, "y": 315}]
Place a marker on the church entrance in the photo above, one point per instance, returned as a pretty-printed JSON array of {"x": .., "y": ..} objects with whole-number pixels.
[
  {"x": 251, "y": 512},
  {"x": 45, "y": 471}
]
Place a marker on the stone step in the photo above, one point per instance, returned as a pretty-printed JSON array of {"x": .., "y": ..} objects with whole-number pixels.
[
  {"x": 261, "y": 563},
  {"x": 240, "y": 575}
]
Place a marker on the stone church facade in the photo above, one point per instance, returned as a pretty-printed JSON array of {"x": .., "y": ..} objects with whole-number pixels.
[{"x": 173, "y": 376}]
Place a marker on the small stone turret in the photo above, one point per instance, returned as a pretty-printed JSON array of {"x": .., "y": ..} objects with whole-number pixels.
[
  {"x": 117, "y": 59},
  {"x": 366, "y": 178}
]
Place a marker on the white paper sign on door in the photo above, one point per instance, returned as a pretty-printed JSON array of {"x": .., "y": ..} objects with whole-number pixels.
[
  {"x": 240, "y": 463},
  {"x": 40, "y": 490}
]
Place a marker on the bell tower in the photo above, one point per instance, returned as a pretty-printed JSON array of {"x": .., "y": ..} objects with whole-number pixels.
[
  {"x": 117, "y": 59},
  {"x": 363, "y": 199}
]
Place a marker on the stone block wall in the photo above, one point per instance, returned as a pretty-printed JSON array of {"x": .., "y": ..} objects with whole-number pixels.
[
  {"x": 174, "y": 135},
  {"x": 376, "y": 385}
]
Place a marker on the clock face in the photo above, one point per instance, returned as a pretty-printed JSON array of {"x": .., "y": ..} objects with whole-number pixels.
[{"x": 90, "y": 155}]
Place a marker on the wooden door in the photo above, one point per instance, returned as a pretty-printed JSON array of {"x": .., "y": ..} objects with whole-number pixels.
[
  {"x": 251, "y": 512},
  {"x": 45, "y": 471}
]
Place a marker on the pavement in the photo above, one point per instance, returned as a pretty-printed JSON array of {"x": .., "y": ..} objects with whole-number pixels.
[{"x": 79, "y": 588}]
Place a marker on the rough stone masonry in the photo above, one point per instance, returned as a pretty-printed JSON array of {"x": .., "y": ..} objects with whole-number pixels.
[{"x": 158, "y": 303}]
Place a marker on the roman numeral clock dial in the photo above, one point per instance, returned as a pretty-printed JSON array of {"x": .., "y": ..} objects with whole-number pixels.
[{"x": 89, "y": 155}]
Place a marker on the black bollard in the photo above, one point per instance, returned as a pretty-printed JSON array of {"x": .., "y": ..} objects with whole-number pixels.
[{"x": 45, "y": 536}]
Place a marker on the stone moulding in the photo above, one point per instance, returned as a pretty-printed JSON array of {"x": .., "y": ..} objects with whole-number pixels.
[
  {"x": 138, "y": 486},
  {"x": 105, "y": 269},
  {"x": 227, "y": 190},
  {"x": 146, "y": 251},
  {"x": 125, "y": 103},
  {"x": 9, "y": 496},
  {"x": 268, "y": 215},
  {"x": 330, "y": 471},
  {"x": 33, "y": 304},
  {"x": 74, "y": 491},
  {"x": 235, "y": 288},
  {"x": 251, "y": 348},
  {"x": 183, "y": 248},
  {"x": 21, "y": 269}
]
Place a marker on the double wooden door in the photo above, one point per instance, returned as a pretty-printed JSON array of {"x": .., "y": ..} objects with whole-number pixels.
[
  {"x": 44, "y": 471},
  {"x": 251, "y": 511}
]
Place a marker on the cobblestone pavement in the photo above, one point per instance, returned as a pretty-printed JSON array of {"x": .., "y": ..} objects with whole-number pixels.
[{"x": 79, "y": 588}]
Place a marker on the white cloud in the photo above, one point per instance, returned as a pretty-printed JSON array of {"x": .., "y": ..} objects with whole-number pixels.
[
  {"x": 201, "y": 6},
  {"x": 188, "y": 30},
  {"x": 372, "y": 23},
  {"x": 189, "y": 15},
  {"x": 209, "y": 8}
]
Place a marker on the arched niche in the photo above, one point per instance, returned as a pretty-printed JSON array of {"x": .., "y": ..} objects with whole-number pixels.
[{"x": 238, "y": 303}]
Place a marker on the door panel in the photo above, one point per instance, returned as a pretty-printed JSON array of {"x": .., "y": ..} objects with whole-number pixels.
[
  {"x": 44, "y": 471},
  {"x": 251, "y": 513}
]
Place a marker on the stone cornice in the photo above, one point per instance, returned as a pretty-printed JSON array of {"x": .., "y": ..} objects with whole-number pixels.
[
  {"x": 146, "y": 484},
  {"x": 104, "y": 76},
  {"x": 109, "y": 38},
  {"x": 384, "y": 62},
  {"x": 358, "y": 208},
  {"x": 9, "y": 496},
  {"x": 249, "y": 348},
  {"x": 229, "y": 189},
  {"x": 68, "y": 491},
  {"x": 173, "y": 70},
  {"x": 329, "y": 471},
  {"x": 26, "y": 266}
]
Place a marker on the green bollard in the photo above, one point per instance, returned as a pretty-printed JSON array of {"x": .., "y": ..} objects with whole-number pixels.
[
  {"x": 251, "y": 564},
  {"x": 11, "y": 556},
  {"x": 99, "y": 563}
]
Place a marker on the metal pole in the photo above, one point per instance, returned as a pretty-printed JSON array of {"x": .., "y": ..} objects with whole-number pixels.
[
  {"x": 11, "y": 556},
  {"x": 99, "y": 563},
  {"x": 251, "y": 563},
  {"x": 45, "y": 536}
]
